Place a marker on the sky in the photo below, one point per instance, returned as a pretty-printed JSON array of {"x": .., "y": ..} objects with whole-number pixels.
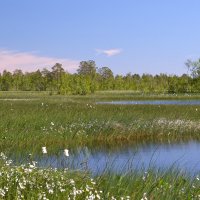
[{"x": 136, "y": 36}]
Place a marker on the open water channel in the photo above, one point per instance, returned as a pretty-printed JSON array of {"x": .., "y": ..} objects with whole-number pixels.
[
  {"x": 153, "y": 102},
  {"x": 182, "y": 156}
]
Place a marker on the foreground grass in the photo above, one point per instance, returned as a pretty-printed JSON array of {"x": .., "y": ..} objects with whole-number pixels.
[{"x": 29, "y": 182}]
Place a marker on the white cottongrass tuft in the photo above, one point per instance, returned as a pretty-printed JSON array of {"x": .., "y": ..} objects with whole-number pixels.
[
  {"x": 44, "y": 150},
  {"x": 66, "y": 152},
  {"x": 52, "y": 123},
  {"x": 144, "y": 196},
  {"x": 44, "y": 183}
]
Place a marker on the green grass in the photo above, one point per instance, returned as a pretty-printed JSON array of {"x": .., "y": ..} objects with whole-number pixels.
[
  {"x": 29, "y": 182},
  {"x": 59, "y": 121},
  {"x": 160, "y": 185}
]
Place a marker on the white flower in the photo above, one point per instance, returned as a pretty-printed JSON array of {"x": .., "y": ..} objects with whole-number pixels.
[
  {"x": 21, "y": 185},
  {"x": 52, "y": 123},
  {"x": 72, "y": 181},
  {"x": 144, "y": 196},
  {"x": 2, "y": 192},
  {"x": 44, "y": 150},
  {"x": 98, "y": 196},
  {"x": 66, "y": 152},
  {"x": 51, "y": 191}
]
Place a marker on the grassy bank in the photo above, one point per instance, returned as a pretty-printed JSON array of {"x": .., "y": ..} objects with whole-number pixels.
[{"x": 59, "y": 121}]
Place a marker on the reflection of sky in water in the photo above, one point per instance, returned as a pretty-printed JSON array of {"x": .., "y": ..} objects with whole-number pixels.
[
  {"x": 184, "y": 156},
  {"x": 155, "y": 102}
]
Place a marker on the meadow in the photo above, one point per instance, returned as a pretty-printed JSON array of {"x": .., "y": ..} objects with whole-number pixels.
[{"x": 32, "y": 120}]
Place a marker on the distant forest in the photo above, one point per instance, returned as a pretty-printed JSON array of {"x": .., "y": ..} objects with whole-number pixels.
[{"x": 89, "y": 79}]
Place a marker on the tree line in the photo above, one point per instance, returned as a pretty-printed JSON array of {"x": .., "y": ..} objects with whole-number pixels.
[{"x": 89, "y": 79}]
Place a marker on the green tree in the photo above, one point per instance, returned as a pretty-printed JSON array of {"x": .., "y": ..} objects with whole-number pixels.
[
  {"x": 66, "y": 87},
  {"x": 106, "y": 78},
  {"x": 87, "y": 68},
  {"x": 57, "y": 72},
  {"x": 161, "y": 83},
  {"x": 37, "y": 81},
  {"x": 119, "y": 82},
  {"x": 6, "y": 81},
  {"x": 18, "y": 79},
  {"x": 193, "y": 67},
  {"x": 48, "y": 79},
  {"x": 136, "y": 82}
]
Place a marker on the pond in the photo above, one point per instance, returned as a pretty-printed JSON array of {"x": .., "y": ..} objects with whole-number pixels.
[
  {"x": 183, "y": 156},
  {"x": 153, "y": 102}
]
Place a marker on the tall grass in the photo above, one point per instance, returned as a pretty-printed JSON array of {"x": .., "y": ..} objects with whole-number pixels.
[
  {"x": 56, "y": 121},
  {"x": 30, "y": 182}
]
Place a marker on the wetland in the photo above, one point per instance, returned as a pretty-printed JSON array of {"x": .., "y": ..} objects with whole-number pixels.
[{"x": 144, "y": 149}]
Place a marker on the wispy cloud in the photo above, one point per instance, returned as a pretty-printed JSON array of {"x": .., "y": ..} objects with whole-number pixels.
[
  {"x": 28, "y": 61},
  {"x": 109, "y": 52}
]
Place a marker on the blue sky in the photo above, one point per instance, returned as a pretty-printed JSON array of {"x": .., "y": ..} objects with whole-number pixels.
[{"x": 136, "y": 36}]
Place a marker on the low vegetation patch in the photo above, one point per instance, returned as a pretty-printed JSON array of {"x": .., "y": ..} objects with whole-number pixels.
[{"x": 30, "y": 182}]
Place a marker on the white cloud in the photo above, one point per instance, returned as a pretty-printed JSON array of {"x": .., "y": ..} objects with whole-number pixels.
[
  {"x": 109, "y": 52},
  {"x": 27, "y": 61}
]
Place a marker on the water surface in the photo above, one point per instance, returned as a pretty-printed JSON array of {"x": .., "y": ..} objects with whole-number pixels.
[
  {"x": 183, "y": 156},
  {"x": 153, "y": 102}
]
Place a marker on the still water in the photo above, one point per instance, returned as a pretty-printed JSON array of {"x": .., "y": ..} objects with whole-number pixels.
[
  {"x": 183, "y": 156},
  {"x": 154, "y": 102}
]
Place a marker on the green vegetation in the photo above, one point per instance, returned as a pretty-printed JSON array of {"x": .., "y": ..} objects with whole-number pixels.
[
  {"x": 29, "y": 182},
  {"x": 89, "y": 79},
  {"x": 56, "y": 121},
  {"x": 32, "y": 120}
]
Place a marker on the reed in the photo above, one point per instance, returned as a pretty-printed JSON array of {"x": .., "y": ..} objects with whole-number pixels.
[{"x": 54, "y": 121}]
